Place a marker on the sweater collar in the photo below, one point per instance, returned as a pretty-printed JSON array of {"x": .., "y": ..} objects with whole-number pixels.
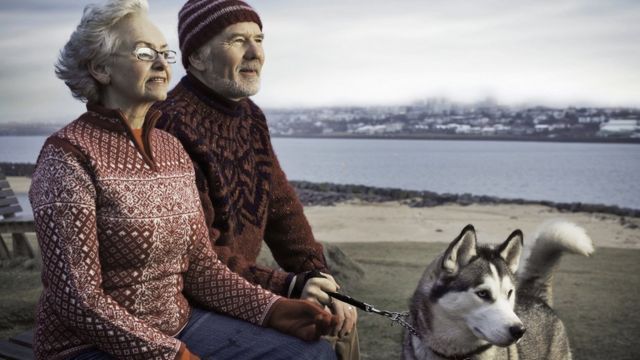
[
  {"x": 210, "y": 97},
  {"x": 116, "y": 120}
]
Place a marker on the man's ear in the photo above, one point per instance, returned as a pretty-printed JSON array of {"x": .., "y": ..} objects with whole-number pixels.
[
  {"x": 100, "y": 72},
  {"x": 197, "y": 61}
]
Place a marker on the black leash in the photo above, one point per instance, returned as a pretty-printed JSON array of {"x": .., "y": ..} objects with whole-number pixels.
[
  {"x": 399, "y": 317},
  {"x": 396, "y": 317}
]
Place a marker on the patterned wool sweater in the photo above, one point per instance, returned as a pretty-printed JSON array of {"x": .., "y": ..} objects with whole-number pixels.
[
  {"x": 124, "y": 243},
  {"x": 245, "y": 194}
]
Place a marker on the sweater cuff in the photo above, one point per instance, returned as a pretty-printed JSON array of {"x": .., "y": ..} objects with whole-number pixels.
[
  {"x": 288, "y": 284},
  {"x": 266, "y": 315},
  {"x": 278, "y": 282}
]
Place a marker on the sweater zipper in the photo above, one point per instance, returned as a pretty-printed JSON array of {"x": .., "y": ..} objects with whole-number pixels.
[{"x": 140, "y": 147}]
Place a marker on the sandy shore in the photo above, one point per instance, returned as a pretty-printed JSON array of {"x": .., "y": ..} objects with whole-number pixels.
[
  {"x": 392, "y": 221},
  {"x": 396, "y": 222},
  {"x": 20, "y": 185}
]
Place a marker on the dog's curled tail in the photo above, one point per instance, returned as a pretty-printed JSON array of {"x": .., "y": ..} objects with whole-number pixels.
[{"x": 553, "y": 239}]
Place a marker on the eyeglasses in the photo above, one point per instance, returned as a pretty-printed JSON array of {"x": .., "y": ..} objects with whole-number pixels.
[{"x": 150, "y": 54}]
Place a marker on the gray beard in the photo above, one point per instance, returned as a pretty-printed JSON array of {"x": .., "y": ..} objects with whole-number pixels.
[{"x": 235, "y": 90}]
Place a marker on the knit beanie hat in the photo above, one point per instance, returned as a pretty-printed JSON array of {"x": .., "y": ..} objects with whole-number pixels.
[{"x": 200, "y": 20}]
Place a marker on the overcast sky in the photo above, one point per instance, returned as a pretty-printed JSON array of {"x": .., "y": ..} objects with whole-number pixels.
[{"x": 372, "y": 52}]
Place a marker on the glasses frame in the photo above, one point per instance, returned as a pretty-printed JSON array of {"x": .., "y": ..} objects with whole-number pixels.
[{"x": 169, "y": 56}]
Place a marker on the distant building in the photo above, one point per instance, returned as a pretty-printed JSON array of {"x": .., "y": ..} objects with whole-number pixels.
[
  {"x": 462, "y": 129},
  {"x": 591, "y": 119},
  {"x": 542, "y": 128},
  {"x": 371, "y": 129},
  {"x": 619, "y": 127}
]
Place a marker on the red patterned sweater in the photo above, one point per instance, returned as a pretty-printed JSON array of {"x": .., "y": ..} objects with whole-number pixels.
[
  {"x": 245, "y": 194},
  {"x": 124, "y": 243}
]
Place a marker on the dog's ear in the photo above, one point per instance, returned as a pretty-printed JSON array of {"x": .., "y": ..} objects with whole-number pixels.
[
  {"x": 511, "y": 249},
  {"x": 460, "y": 251}
]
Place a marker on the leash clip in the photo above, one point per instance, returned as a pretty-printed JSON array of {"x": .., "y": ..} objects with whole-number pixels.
[{"x": 395, "y": 317}]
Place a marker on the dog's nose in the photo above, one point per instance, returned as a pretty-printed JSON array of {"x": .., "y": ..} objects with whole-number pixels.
[{"x": 517, "y": 331}]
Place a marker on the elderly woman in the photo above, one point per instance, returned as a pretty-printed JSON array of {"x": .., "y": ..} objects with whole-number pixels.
[{"x": 128, "y": 270}]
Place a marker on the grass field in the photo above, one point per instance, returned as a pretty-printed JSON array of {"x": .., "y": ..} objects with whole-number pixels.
[{"x": 597, "y": 297}]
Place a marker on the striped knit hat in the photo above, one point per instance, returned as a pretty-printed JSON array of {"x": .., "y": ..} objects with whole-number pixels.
[{"x": 200, "y": 20}]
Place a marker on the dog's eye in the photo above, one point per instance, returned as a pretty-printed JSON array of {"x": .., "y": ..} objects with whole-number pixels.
[
  {"x": 509, "y": 294},
  {"x": 482, "y": 294}
]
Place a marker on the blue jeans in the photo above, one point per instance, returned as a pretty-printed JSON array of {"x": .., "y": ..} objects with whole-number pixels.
[{"x": 214, "y": 336}]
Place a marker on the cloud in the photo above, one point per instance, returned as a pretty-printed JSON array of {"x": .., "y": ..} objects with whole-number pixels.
[
  {"x": 373, "y": 52},
  {"x": 387, "y": 51}
]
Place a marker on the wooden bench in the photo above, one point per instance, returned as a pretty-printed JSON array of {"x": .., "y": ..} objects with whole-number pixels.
[
  {"x": 14, "y": 223},
  {"x": 18, "y": 347}
]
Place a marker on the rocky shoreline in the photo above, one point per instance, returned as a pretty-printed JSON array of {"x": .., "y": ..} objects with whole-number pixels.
[{"x": 328, "y": 194}]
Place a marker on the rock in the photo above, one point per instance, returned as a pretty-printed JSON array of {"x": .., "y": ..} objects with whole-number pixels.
[
  {"x": 346, "y": 271},
  {"x": 328, "y": 194}
]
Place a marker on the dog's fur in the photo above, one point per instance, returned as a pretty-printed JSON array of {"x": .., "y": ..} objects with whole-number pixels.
[{"x": 464, "y": 304}]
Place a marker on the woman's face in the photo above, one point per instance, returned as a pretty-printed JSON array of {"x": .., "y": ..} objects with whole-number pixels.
[{"x": 134, "y": 82}]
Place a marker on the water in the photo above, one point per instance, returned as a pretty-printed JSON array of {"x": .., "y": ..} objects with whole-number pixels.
[
  {"x": 561, "y": 172},
  {"x": 20, "y": 149}
]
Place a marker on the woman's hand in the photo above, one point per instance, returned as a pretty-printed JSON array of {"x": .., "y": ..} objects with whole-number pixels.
[{"x": 300, "y": 318}]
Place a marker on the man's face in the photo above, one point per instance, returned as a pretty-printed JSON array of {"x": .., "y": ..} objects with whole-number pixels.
[{"x": 233, "y": 60}]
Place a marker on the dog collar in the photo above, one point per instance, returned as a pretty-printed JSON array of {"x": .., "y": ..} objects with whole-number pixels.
[{"x": 466, "y": 356}]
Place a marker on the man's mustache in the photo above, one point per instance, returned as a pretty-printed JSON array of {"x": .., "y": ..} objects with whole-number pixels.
[{"x": 254, "y": 66}]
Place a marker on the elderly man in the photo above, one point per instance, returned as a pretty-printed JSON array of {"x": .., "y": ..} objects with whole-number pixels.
[{"x": 245, "y": 194}]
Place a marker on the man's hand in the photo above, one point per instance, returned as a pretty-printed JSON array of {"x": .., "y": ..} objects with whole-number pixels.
[
  {"x": 299, "y": 318},
  {"x": 346, "y": 315}
]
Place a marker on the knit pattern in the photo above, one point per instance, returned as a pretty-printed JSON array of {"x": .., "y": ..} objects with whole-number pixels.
[
  {"x": 123, "y": 241},
  {"x": 245, "y": 194}
]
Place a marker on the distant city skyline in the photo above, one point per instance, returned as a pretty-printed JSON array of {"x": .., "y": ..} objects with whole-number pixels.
[{"x": 336, "y": 53}]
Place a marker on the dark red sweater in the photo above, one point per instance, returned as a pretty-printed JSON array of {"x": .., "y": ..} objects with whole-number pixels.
[
  {"x": 245, "y": 194},
  {"x": 124, "y": 244}
]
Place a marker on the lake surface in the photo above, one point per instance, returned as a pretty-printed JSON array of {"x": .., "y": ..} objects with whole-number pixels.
[{"x": 561, "y": 172}]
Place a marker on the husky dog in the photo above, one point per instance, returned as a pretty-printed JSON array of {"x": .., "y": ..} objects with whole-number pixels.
[{"x": 472, "y": 303}]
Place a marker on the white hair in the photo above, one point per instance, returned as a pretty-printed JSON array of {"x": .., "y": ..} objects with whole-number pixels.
[{"x": 93, "y": 41}]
